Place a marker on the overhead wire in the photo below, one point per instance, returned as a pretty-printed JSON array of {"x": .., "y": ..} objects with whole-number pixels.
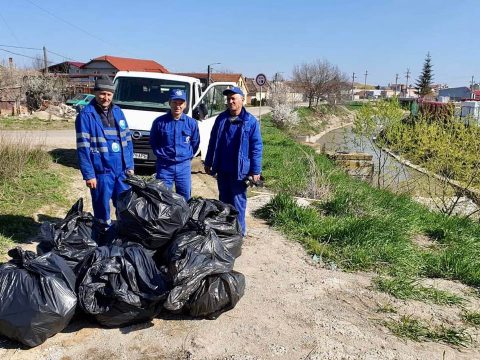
[
  {"x": 73, "y": 25},
  {"x": 38, "y": 49},
  {"x": 30, "y": 57},
  {"x": 20, "y": 47},
  {"x": 9, "y": 28}
]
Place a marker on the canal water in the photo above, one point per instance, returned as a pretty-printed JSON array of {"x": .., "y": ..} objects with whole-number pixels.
[{"x": 388, "y": 172}]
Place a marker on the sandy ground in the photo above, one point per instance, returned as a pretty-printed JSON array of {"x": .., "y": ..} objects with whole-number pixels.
[{"x": 293, "y": 308}]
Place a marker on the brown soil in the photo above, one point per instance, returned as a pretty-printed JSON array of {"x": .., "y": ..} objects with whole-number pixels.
[{"x": 292, "y": 309}]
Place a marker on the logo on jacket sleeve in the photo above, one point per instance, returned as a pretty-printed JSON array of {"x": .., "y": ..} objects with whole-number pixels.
[
  {"x": 115, "y": 147},
  {"x": 187, "y": 140},
  {"x": 123, "y": 124}
]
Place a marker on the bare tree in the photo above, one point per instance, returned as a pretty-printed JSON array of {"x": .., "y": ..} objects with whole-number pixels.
[
  {"x": 38, "y": 63},
  {"x": 320, "y": 79},
  {"x": 304, "y": 76}
]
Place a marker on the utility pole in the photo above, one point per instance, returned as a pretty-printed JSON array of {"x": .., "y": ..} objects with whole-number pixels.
[
  {"x": 396, "y": 83},
  {"x": 209, "y": 71},
  {"x": 365, "y": 85},
  {"x": 45, "y": 62},
  {"x": 353, "y": 81},
  {"x": 406, "y": 84},
  {"x": 208, "y": 75},
  {"x": 471, "y": 88}
]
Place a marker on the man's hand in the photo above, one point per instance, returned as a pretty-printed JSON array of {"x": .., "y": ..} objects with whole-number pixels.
[
  {"x": 208, "y": 170},
  {"x": 130, "y": 172},
  {"x": 91, "y": 183},
  {"x": 256, "y": 177}
]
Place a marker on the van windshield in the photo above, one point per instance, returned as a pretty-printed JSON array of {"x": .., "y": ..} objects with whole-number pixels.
[{"x": 146, "y": 94}]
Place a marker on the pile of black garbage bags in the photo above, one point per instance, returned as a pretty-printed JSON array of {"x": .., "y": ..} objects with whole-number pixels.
[{"x": 162, "y": 256}]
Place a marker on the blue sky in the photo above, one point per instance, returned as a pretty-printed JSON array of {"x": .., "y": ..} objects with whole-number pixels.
[{"x": 251, "y": 37}]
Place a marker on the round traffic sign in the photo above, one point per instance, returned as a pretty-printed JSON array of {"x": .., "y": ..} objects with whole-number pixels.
[{"x": 261, "y": 79}]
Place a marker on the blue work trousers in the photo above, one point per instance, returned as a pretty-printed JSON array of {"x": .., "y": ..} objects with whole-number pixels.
[
  {"x": 178, "y": 173},
  {"x": 233, "y": 192},
  {"x": 109, "y": 186}
]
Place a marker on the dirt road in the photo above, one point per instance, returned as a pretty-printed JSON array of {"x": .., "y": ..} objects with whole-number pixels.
[{"x": 292, "y": 309}]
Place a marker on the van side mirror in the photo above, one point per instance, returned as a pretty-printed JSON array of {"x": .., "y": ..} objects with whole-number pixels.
[{"x": 200, "y": 112}]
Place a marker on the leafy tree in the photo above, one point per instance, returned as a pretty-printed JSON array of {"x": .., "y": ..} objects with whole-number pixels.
[{"x": 424, "y": 82}]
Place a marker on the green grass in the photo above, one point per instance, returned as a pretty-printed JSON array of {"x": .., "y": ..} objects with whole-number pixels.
[
  {"x": 409, "y": 328},
  {"x": 360, "y": 227},
  {"x": 313, "y": 120},
  {"x": 17, "y": 123},
  {"x": 354, "y": 105},
  {"x": 472, "y": 318},
  {"x": 36, "y": 184},
  {"x": 386, "y": 308},
  {"x": 409, "y": 289}
]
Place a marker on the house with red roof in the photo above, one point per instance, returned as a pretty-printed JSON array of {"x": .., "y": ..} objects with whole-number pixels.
[
  {"x": 110, "y": 65},
  {"x": 82, "y": 75},
  {"x": 66, "y": 67}
]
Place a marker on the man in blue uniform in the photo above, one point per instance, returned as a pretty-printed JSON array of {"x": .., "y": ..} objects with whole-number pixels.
[
  {"x": 235, "y": 152},
  {"x": 104, "y": 149},
  {"x": 175, "y": 138}
]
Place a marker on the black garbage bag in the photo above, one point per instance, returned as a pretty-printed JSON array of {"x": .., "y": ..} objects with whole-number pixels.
[
  {"x": 221, "y": 218},
  {"x": 37, "y": 297},
  {"x": 121, "y": 285},
  {"x": 71, "y": 238},
  {"x": 216, "y": 294},
  {"x": 192, "y": 266},
  {"x": 206, "y": 242},
  {"x": 149, "y": 213}
]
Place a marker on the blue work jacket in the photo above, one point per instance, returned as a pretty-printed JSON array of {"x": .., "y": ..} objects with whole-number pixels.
[
  {"x": 174, "y": 141},
  {"x": 249, "y": 150},
  {"x": 92, "y": 147}
]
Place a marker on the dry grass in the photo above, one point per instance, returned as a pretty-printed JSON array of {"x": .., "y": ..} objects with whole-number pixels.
[{"x": 16, "y": 153}]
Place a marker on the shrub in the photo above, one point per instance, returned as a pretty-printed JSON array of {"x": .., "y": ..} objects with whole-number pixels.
[{"x": 283, "y": 116}]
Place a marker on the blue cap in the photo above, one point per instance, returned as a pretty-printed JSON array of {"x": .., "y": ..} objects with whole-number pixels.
[
  {"x": 178, "y": 94},
  {"x": 233, "y": 90}
]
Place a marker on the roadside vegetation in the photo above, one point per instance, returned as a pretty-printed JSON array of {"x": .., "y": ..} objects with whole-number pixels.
[
  {"x": 28, "y": 182},
  {"x": 410, "y": 328},
  {"x": 27, "y": 123},
  {"x": 444, "y": 146},
  {"x": 358, "y": 227}
]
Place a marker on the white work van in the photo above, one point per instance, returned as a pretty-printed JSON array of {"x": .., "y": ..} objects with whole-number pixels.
[{"x": 144, "y": 96}]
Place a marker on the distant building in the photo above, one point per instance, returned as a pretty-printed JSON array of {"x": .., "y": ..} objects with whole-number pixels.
[
  {"x": 456, "y": 94},
  {"x": 110, "y": 65},
  {"x": 66, "y": 67},
  {"x": 237, "y": 78},
  {"x": 86, "y": 73},
  {"x": 253, "y": 90},
  {"x": 83, "y": 75}
]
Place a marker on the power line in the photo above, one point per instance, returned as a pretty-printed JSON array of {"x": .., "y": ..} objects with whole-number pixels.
[
  {"x": 20, "y": 47},
  {"x": 30, "y": 57},
  {"x": 62, "y": 56},
  {"x": 9, "y": 28},
  {"x": 38, "y": 49},
  {"x": 72, "y": 25}
]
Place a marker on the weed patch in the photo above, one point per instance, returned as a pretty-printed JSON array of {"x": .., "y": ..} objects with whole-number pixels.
[
  {"x": 409, "y": 328},
  {"x": 25, "y": 188},
  {"x": 472, "y": 318},
  {"x": 409, "y": 289}
]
